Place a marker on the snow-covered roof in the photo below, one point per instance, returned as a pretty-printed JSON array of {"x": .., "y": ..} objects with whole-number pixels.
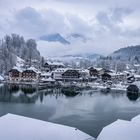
[
  {"x": 34, "y": 60},
  {"x": 136, "y": 119},
  {"x": 1, "y": 78},
  {"x": 83, "y": 70},
  {"x": 137, "y": 65},
  {"x": 61, "y": 70},
  {"x": 46, "y": 74},
  {"x": 16, "y": 127},
  {"x": 99, "y": 69},
  {"x": 137, "y": 76},
  {"x": 132, "y": 70},
  {"x": 33, "y": 69},
  {"x": 55, "y": 63},
  {"x": 17, "y": 68},
  {"x": 43, "y": 79},
  {"x": 120, "y": 130},
  {"x": 19, "y": 62},
  {"x": 127, "y": 72},
  {"x": 115, "y": 74},
  {"x": 50, "y": 79}
]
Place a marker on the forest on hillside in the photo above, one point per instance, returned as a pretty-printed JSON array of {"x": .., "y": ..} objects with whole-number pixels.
[{"x": 15, "y": 45}]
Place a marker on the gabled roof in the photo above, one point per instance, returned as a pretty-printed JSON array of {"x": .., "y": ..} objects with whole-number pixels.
[
  {"x": 83, "y": 70},
  {"x": 17, "y": 68},
  {"x": 99, "y": 69},
  {"x": 1, "y": 78},
  {"x": 71, "y": 70},
  {"x": 61, "y": 70},
  {"x": 46, "y": 73},
  {"x": 33, "y": 69},
  {"x": 50, "y": 79},
  {"x": 115, "y": 74},
  {"x": 55, "y": 63}
]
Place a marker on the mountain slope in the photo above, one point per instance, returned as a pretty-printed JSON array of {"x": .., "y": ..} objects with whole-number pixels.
[
  {"x": 15, "y": 49},
  {"x": 128, "y": 53},
  {"x": 75, "y": 57}
]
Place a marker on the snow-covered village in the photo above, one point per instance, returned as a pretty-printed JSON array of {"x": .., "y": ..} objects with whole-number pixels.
[
  {"x": 69, "y": 70},
  {"x": 51, "y": 73},
  {"x": 25, "y": 77}
]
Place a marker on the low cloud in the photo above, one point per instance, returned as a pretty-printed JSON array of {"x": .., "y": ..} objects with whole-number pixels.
[
  {"x": 108, "y": 29},
  {"x": 37, "y": 23}
]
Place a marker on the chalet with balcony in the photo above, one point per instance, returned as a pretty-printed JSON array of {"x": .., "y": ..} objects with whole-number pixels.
[
  {"x": 15, "y": 74},
  {"x": 84, "y": 74},
  {"x": 93, "y": 72},
  {"x": 102, "y": 71},
  {"x": 106, "y": 77},
  {"x": 118, "y": 77},
  {"x": 57, "y": 73},
  {"x": 46, "y": 75},
  {"x": 31, "y": 74},
  {"x": 71, "y": 75},
  {"x": 114, "y": 77},
  {"x": 50, "y": 66}
]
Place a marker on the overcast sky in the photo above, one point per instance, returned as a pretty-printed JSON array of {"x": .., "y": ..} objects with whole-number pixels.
[{"x": 108, "y": 24}]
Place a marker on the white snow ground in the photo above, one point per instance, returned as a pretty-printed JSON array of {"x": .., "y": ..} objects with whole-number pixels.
[
  {"x": 122, "y": 130},
  {"x": 15, "y": 127}
]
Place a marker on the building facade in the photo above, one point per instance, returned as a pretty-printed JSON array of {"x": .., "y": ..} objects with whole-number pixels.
[{"x": 71, "y": 75}]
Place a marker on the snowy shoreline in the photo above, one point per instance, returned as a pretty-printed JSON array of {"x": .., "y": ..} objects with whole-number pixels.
[{"x": 91, "y": 86}]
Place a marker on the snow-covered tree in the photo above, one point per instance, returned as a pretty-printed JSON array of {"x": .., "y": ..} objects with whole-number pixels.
[{"x": 13, "y": 46}]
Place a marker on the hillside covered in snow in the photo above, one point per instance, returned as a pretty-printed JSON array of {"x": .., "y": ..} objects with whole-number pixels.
[
  {"x": 14, "y": 49},
  {"x": 131, "y": 53}
]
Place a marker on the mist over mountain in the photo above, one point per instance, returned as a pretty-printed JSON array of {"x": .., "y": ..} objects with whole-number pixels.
[
  {"x": 91, "y": 56},
  {"x": 65, "y": 40},
  {"x": 54, "y": 38},
  {"x": 75, "y": 36}
]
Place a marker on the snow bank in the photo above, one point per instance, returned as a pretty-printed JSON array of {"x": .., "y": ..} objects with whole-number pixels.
[
  {"x": 14, "y": 127},
  {"x": 120, "y": 130},
  {"x": 136, "y": 119}
]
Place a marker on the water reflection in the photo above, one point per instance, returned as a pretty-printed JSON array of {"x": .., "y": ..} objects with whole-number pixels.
[
  {"x": 13, "y": 88},
  {"x": 133, "y": 92},
  {"x": 69, "y": 93},
  {"x": 16, "y": 94},
  {"x": 132, "y": 96},
  {"x": 30, "y": 94},
  {"x": 87, "y": 110}
]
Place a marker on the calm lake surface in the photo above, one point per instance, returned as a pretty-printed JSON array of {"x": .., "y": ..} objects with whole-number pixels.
[{"x": 88, "y": 111}]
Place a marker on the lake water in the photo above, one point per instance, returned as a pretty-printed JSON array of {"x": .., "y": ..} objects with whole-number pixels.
[{"x": 88, "y": 111}]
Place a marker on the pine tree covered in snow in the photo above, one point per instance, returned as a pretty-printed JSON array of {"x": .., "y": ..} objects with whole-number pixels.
[{"x": 15, "y": 45}]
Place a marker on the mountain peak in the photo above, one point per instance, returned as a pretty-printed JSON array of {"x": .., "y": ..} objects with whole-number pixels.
[
  {"x": 54, "y": 38},
  {"x": 77, "y": 36}
]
